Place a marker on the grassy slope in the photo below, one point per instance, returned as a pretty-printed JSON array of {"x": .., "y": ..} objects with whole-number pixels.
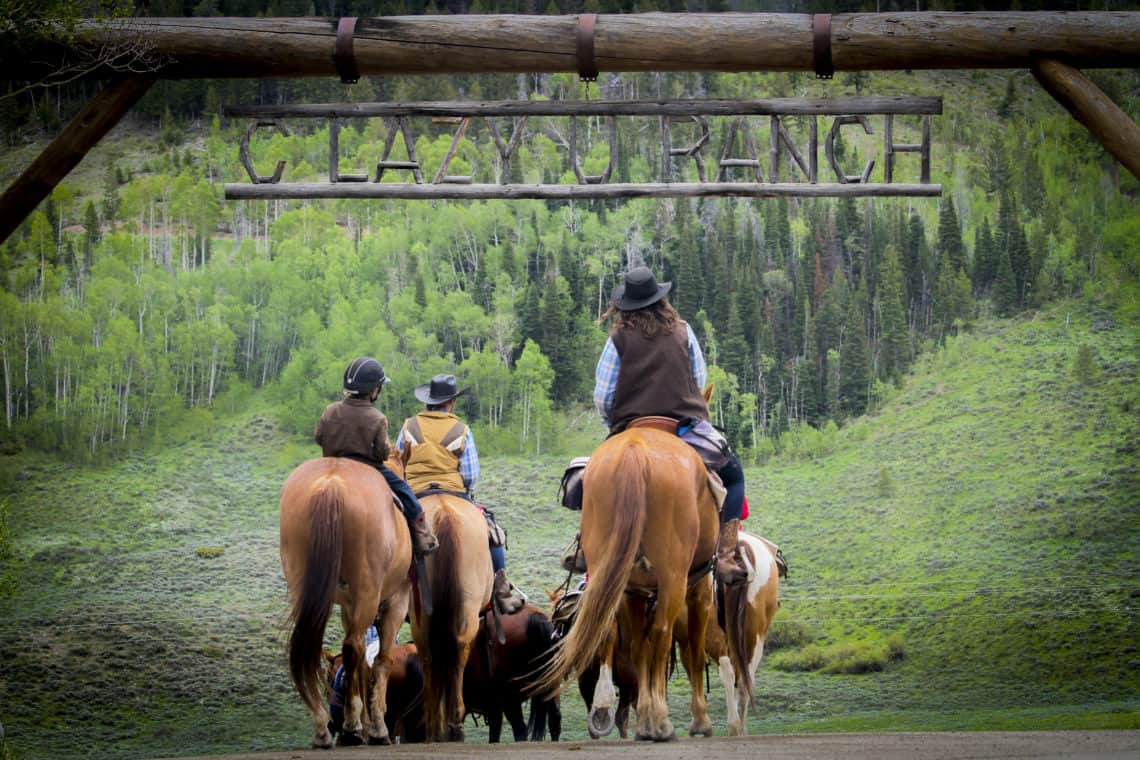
[{"x": 1006, "y": 559}]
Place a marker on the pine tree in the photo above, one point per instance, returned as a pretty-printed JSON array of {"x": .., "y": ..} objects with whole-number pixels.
[
  {"x": 985, "y": 259},
  {"x": 951, "y": 251},
  {"x": 530, "y": 314},
  {"x": 735, "y": 355},
  {"x": 91, "y": 235},
  {"x": 893, "y": 346},
  {"x": 557, "y": 317},
  {"x": 853, "y": 380},
  {"x": 1005, "y": 287}
]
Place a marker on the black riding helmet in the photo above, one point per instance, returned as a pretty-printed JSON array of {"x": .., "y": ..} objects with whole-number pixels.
[{"x": 363, "y": 375}]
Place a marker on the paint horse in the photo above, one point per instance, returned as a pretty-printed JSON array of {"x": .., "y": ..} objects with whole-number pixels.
[
  {"x": 459, "y": 581},
  {"x": 738, "y": 646},
  {"x": 649, "y": 527},
  {"x": 343, "y": 541}
]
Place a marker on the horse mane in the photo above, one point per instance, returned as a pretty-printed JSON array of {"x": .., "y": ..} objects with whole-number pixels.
[
  {"x": 313, "y": 604},
  {"x": 609, "y": 572}
]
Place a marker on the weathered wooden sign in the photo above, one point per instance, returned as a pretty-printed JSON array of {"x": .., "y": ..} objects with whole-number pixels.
[{"x": 714, "y": 142}]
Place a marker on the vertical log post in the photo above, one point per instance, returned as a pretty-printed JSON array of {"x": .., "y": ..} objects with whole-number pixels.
[
  {"x": 66, "y": 151},
  {"x": 1088, "y": 104}
]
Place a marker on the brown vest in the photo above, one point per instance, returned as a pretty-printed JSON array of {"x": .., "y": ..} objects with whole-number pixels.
[
  {"x": 353, "y": 428},
  {"x": 433, "y": 442},
  {"x": 655, "y": 378}
]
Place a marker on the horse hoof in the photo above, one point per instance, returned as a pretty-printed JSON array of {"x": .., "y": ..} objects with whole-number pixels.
[
  {"x": 700, "y": 729},
  {"x": 669, "y": 737},
  {"x": 383, "y": 741},
  {"x": 323, "y": 742},
  {"x": 601, "y": 722},
  {"x": 454, "y": 733},
  {"x": 350, "y": 740}
]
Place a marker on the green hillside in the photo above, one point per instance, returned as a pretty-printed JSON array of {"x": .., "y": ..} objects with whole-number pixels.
[{"x": 977, "y": 539}]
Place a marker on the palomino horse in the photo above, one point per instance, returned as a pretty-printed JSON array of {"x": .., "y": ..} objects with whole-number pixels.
[
  {"x": 649, "y": 521},
  {"x": 343, "y": 541},
  {"x": 459, "y": 578}
]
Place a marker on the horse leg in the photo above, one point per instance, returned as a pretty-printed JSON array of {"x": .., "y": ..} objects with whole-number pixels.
[
  {"x": 352, "y": 733},
  {"x": 391, "y": 617},
  {"x": 455, "y": 711},
  {"x": 693, "y": 656},
  {"x": 513, "y": 710},
  {"x": 494, "y": 718},
  {"x": 601, "y": 719},
  {"x": 651, "y": 654},
  {"x": 728, "y": 678}
]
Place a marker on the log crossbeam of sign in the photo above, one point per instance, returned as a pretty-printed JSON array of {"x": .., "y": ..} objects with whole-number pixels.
[{"x": 737, "y": 166}]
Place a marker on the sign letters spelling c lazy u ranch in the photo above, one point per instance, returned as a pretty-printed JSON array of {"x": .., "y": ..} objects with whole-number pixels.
[{"x": 748, "y": 148}]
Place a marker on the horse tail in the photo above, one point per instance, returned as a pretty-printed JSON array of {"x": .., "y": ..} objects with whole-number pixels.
[
  {"x": 540, "y": 647},
  {"x": 623, "y": 501},
  {"x": 736, "y": 630},
  {"x": 445, "y": 624},
  {"x": 314, "y": 600}
]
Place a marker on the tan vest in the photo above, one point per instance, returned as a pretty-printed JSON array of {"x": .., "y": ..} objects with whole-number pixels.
[{"x": 433, "y": 442}]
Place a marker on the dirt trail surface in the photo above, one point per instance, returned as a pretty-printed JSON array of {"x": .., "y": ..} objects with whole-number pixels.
[{"x": 1101, "y": 745}]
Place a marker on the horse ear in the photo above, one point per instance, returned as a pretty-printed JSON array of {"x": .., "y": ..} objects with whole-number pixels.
[{"x": 707, "y": 392}]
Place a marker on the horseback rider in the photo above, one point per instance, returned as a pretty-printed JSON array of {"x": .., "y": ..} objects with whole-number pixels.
[
  {"x": 439, "y": 454},
  {"x": 652, "y": 365},
  {"x": 355, "y": 429}
]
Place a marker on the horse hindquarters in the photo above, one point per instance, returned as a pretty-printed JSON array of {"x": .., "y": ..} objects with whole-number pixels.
[{"x": 311, "y": 544}]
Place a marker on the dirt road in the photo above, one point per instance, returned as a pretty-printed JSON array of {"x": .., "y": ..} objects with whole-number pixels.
[{"x": 1101, "y": 745}]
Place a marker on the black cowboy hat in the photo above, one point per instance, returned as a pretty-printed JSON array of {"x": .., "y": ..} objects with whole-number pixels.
[
  {"x": 440, "y": 390},
  {"x": 639, "y": 290}
]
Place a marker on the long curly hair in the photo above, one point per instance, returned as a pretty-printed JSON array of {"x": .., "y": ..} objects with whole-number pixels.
[{"x": 659, "y": 317}]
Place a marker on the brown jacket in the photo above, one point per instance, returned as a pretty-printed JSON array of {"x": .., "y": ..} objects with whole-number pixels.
[
  {"x": 655, "y": 378},
  {"x": 353, "y": 428}
]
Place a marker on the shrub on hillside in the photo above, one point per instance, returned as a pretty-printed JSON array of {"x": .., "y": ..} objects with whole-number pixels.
[
  {"x": 786, "y": 633},
  {"x": 849, "y": 657}
]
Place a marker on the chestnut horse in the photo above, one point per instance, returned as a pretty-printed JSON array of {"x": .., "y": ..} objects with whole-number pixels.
[
  {"x": 343, "y": 541},
  {"x": 459, "y": 578},
  {"x": 649, "y": 522}
]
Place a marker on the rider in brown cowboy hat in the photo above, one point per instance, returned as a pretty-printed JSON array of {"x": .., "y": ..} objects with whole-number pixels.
[
  {"x": 652, "y": 365},
  {"x": 356, "y": 429},
  {"x": 439, "y": 453}
]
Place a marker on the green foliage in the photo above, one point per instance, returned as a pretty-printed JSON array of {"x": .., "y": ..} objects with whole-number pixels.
[
  {"x": 1085, "y": 369},
  {"x": 848, "y": 657}
]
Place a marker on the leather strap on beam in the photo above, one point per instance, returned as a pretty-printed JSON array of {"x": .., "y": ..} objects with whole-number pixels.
[
  {"x": 587, "y": 64},
  {"x": 821, "y": 47},
  {"x": 343, "y": 55}
]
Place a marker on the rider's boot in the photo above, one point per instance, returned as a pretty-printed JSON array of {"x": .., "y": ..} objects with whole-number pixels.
[
  {"x": 729, "y": 568},
  {"x": 507, "y": 598},
  {"x": 424, "y": 541}
]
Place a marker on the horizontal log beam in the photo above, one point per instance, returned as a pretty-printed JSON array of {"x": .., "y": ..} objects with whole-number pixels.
[
  {"x": 436, "y": 44},
  {"x": 1088, "y": 104},
  {"x": 411, "y": 191},
  {"x": 899, "y": 104}
]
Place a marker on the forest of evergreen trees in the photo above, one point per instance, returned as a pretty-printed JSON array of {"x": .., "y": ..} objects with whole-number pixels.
[{"x": 135, "y": 307}]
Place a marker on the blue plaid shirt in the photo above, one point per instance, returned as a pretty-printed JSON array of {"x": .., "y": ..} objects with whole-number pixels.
[
  {"x": 606, "y": 375},
  {"x": 468, "y": 460}
]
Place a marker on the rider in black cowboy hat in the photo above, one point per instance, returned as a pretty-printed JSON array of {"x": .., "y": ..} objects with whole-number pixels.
[
  {"x": 652, "y": 365},
  {"x": 439, "y": 452}
]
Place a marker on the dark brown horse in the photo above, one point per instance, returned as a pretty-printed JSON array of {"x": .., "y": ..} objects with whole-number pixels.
[
  {"x": 459, "y": 577},
  {"x": 499, "y": 675},
  {"x": 405, "y": 713},
  {"x": 649, "y": 523},
  {"x": 343, "y": 541}
]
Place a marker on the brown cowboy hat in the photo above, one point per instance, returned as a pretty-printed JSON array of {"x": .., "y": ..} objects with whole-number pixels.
[
  {"x": 440, "y": 390},
  {"x": 639, "y": 290}
]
